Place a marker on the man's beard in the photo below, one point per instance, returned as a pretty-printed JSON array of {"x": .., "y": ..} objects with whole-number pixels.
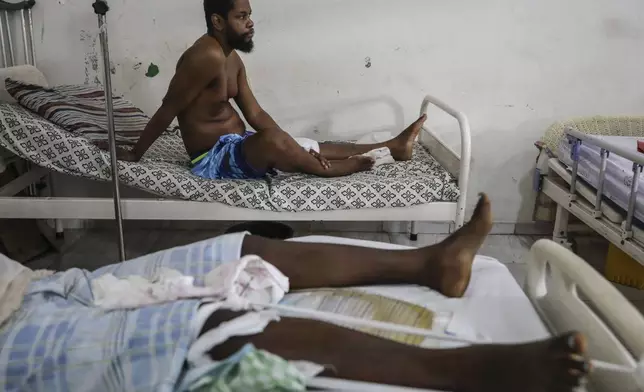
[{"x": 240, "y": 43}]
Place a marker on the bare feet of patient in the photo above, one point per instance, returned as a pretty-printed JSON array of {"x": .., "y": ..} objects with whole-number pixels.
[
  {"x": 450, "y": 263},
  {"x": 403, "y": 145},
  {"x": 550, "y": 366}
]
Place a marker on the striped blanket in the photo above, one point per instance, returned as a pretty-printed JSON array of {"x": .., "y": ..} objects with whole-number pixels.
[{"x": 81, "y": 109}]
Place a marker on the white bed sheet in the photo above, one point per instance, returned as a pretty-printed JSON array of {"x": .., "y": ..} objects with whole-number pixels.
[
  {"x": 494, "y": 308},
  {"x": 619, "y": 171}
]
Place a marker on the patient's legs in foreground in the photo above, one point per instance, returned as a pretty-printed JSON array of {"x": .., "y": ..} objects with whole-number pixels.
[
  {"x": 445, "y": 267},
  {"x": 552, "y": 365}
]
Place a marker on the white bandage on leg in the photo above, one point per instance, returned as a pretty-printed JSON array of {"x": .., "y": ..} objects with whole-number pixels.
[
  {"x": 382, "y": 156},
  {"x": 308, "y": 144}
]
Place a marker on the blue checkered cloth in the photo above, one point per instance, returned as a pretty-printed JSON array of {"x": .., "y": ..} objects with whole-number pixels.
[
  {"x": 58, "y": 342},
  {"x": 226, "y": 160}
]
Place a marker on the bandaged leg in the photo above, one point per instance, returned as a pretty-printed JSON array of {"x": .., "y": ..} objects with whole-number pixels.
[
  {"x": 555, "y": 364},
  {"x": 381, "y": 156},
  {"x": 308, "y": 144}
]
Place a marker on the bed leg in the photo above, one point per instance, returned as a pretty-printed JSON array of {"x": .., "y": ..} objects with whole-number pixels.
[
  {"x": 413, "y": 235},
  {"x": 58, "y": 223},
  {"x": 560, "y": 234}
]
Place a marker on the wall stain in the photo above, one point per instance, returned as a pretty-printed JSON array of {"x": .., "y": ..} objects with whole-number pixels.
[
  {"x": 153, "y": 70},
  {"x": 91, "y": 56},
  {"x": 367, "y": 62},
  {"x": 137, "y": 66}
]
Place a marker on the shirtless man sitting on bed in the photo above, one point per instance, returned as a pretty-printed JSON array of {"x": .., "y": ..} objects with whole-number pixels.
[
  {"x": 211, "y": 73},
  {"x": 42, "y": 348}
]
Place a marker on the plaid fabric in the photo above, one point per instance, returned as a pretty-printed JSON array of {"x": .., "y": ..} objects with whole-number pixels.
[
  {"x": 249, "y": 370},
  {"x": 58, "y": 342},
  {"x": 81, "y": 109}
]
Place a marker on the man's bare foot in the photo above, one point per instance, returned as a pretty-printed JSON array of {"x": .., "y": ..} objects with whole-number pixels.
[
  {"x": 553, "y": 365},
  {"x": 402, "y": 146},
  {"x": 450, "y": 263}
]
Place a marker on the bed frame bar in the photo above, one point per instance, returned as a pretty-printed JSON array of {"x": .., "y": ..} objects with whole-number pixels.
[
  {"x": 570, "y": 295},
  {"x": 6, "y": 39}
]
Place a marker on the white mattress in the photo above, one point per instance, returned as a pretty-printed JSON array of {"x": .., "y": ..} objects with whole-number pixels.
[
  {"x": 619, "y": 172},
  {"x": 494, "y": 308}
]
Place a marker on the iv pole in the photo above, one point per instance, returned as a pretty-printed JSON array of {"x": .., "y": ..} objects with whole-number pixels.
[{"x": 100, "y": 9}]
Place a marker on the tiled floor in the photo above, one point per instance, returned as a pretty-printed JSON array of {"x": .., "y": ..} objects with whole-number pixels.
[{"x": 98, "y": 248}]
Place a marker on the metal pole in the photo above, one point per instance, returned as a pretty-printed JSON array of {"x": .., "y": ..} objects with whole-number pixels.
[
  {"x": 101, "y": 8},
  {"x": 4, "y": 48},
  {"x": 23, "y": 22},
  {"x": 631, "y": 202},
  {"x": 32, "y": 40},
  {"x": 11, "y": 57},
  {"x": 600, "y": 185},
  {"x": 576, "y": 145}
]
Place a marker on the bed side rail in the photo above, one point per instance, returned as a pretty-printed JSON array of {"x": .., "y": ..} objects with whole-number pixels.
[
  {"x": 576, "y": 139},
  {"x": 457, "y": 164},
  {"x": 10, "y": 52},
  {"x": 612, "y": 326}
]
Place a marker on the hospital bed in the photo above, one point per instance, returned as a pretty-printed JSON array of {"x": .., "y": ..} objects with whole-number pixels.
[
  {"x": 562, "y": 293},
  {"x": 596, "y": 178},
  {"x": 433, "y": 186}
]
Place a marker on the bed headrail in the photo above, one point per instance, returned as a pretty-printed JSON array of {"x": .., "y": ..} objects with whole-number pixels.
[{"x": 12, "y": 31}]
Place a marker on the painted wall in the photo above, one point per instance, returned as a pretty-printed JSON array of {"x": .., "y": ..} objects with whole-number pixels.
[{"x": 514, "y": 66}]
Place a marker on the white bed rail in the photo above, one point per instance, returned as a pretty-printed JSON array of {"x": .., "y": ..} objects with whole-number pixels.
[
  {"x": 457, "y": 164},
  {"x": 571, "y": 296}
]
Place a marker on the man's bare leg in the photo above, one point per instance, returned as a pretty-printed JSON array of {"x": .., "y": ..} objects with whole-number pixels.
[
  {"x": 553, "y": 365},
  {"x": 278, "y": 150},
  {"x": 445, "y": 267},
  {"x": 401, "y": 146}
]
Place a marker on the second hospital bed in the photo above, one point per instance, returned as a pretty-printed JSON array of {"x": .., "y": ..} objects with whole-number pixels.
[{"x": 596, "y": 177}]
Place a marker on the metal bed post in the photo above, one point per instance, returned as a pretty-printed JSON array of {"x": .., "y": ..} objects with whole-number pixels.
[
  {"x": 4, "y": 48},
  {"x": 574, "y": 155},
  {"x": 6, "y": 21},
  {"x": 101, "y": 8},
  {"x": 600, "y": 186},
  {"x": 627, "y": 232}
]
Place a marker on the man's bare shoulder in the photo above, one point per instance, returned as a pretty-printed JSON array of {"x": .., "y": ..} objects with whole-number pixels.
[{"x": 205, "y": 51}]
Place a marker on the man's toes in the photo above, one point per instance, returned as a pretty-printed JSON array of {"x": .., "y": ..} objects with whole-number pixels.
[
  {"x": 572, "y": 343},
  {"x": 482, "y": 204}
]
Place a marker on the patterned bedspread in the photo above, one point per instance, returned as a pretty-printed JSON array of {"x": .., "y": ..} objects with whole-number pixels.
[{"x": 164, "y": 171}]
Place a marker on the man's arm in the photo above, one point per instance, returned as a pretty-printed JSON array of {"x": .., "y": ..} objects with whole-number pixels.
[
  {"x": 256, "y": 116},
  {"x": 192, "y": 76},
  {"x": 253, "y": 112}
]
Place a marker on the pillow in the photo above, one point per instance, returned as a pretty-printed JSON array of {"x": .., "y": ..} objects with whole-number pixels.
[
  {"x": 24, "y": 73},
  {"x": 81, "y": 109}
]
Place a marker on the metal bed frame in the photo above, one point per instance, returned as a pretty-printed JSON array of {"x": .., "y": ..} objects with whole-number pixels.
[
  {"x": 592, "y": 211},
  {"x": 119, "y": 209}
]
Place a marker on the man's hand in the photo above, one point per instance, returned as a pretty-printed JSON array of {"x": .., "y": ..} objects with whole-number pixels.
[
  {"x": 122, "y": 154},
  {"x": 323, "y": 161}
]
